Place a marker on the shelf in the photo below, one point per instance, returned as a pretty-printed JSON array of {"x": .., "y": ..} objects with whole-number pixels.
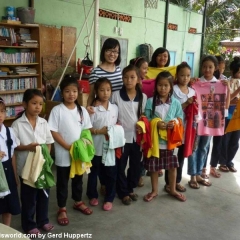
[
  {"x": 5, "y": 46},
  {"x": 20, "y": 76},
  {"x": 12, "y": 91},
  {"x": 10, "y": 118},
  {"x": 17, "y": 64},
  {"x": 13, "y": 104},
  {"x": 19, "y": 25}
]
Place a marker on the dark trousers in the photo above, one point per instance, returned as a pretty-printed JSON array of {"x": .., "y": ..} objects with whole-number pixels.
[
  {"x": 125, "y": 184},
  {"x": 108, "y": 175},
  {"x": 216, "y": 150},
  {"x": 62, "y": 186},
  {"x": 179, "y": 169},
  {"x": 229, "y": 147},
  {"x": 33, "y": 201}
]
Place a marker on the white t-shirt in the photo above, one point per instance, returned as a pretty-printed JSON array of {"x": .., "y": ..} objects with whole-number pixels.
[
  {"x": 69, "y": 124},
  {"x": 3, "y": 145},
  {"x": 127, "y": 115},
  {"x": 26, "y": 135},
  {"x": 182, "y": 97},
  {"x": 100, "y": 118}
]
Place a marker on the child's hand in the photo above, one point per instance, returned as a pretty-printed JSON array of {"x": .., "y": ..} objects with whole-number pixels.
[
  {"x": 32, "y": 147},
  {"x": 193, "y": 80},
  {"x": 226, "y": 83},
  {"x": 139, "y": 129},
  {"x": 170, "y": 124},
  {"x": 162, "y": 125},
  {"x": 90, "y": 110},
  {"x": 2, "y": 155},
  {"x": 103, "y": 130},
  {"x": 190, "y": 100},
  {"x": 97, "y": 103}
]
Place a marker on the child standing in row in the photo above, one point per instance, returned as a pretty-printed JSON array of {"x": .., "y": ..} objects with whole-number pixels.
[
  {"x": 131, "y": 102},
  {"x": 184, "y": 94},
  {"x": 168, "y": 109},
  {"x": 105, "y": 114},
  {"x": 32, "y": 131},
  {"x": 9, "y": 204},
  {"x": 142, "y": 65},
  {"x": 66, "y": 121}
]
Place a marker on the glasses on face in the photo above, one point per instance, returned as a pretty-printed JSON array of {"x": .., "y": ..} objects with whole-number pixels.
[{"x": 109, "y": 51}]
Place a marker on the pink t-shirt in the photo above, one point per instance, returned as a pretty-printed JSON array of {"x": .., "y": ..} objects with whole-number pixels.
[
  {"x": 148, "y": 87},
  {"x": 211, "y": 98}
]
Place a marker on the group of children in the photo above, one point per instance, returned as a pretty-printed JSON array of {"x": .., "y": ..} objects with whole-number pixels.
[{"x": 114, "y": 109}]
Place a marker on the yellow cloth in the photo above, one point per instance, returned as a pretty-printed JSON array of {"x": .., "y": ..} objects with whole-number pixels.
[
  {"x": 78, "y": 167},
  {"x": 155, "y": 134},
  {"x": 33, "y": 167},
  {"x": 234, "y": 123},
  {"x": 153, "y": 71},
  {"x": 141, "y": 124}
]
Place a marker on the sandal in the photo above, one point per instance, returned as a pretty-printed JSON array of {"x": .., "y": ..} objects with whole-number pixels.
[
  {"x": 133, "y": 196},
  {"x": 167, "y": 188},
  {"x": 62, "y": 221},
  {"x": 204, "y": 173},
  {"x": 93, "y": 202},
  {"x": 223, "y": 168},
  {"x": 204, "y": 182},
  {"x": 149, "y": 197},
  {"x": 193, "y": 184},
  {"x": 34, "y": 233},
  {"x": 232, "y": 169},
  {"x": 180, "y": 188},
  {"x": 126, "y": 200},
  {"x": 179, "y": 196},
  {"x": 86, "y": 211},
  {"x": 47, "y": 227},
  {"x": 107, "y": 206},
  {"x": 214, "y": 172}
]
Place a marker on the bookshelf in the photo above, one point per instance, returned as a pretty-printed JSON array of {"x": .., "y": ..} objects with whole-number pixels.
[{"x": 20, "y": 57}]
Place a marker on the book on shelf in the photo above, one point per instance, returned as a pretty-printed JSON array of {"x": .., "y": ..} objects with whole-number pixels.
[
  {"x": 13, "y": 111},
  {"x": 18, "y": 83}
]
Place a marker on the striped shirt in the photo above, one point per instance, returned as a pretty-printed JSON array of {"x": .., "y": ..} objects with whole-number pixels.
[{"x": 114, "y": 77}]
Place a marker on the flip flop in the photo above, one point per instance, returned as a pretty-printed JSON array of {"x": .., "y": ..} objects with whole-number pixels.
[
  {"x": 193, "y": 184},
  {"x": 179, "y": 197},
  {"x": 47, "y": 227},
  {"x": 167, "y": 188},
  {"x": 86, "y": 211},
  {"x": 93, "y": 202},
  {"x": 133, "y": 196},
  {"x": 34, "y": 233},
  {"x": 214, "y": 172},
  {"x": 232, "y": 169},
  {"x": 223, "y": 168},
  {"x": 204, "y": 183},
  {"x": 149, "y": 197},
  {"x": 107, "y": 206},
  {"x": 180, "y": 188},
  {"x": 62, "y": 221}
]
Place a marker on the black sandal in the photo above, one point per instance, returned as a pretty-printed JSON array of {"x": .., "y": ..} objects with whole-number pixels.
[
  {"x": 126, "y": 200},
  {"x": 133, "y": 196}
]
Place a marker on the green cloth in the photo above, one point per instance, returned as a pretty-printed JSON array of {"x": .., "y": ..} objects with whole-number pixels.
[
  {"x": 46, "y": 178},
  {"x": 3, "y": 181},
  {"x": 83, "y": 149}
]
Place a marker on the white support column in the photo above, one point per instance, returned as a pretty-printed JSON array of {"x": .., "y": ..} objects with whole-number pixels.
[{"x": 96, "y": 35}]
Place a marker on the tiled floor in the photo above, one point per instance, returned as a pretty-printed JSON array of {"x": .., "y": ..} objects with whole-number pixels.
[{"x": 209, "y": 214}]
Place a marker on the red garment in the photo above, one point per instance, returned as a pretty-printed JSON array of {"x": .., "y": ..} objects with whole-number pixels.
[
  {"x": 144, "y": 139},
  {"x": 191, "y": 127},
  {"x": 175, "y": 135}
]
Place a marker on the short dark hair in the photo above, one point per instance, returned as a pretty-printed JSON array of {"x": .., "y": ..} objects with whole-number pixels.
[
  {"x": 235, "y": 65},
  {"x": 137, "y": 62},
  {"x": 181, "y": 66},
  {"x": 153, "y": 62},
  {"x": 111, "y": 43},
  {"x": 210, "y": 58}
]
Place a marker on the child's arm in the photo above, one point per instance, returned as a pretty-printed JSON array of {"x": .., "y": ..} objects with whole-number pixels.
[
  {"x": 103, "y": 130},
  {"x": 58, "y": 138},
  {"x": 30, "y": 147},
  {"x": 49, "y": 147},
  {"x": 14, "y": 164},
  {"x": 189, "y": 101}
]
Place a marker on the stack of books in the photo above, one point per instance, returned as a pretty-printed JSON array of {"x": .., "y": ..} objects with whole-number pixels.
[{"x": 25, "y": 38}]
